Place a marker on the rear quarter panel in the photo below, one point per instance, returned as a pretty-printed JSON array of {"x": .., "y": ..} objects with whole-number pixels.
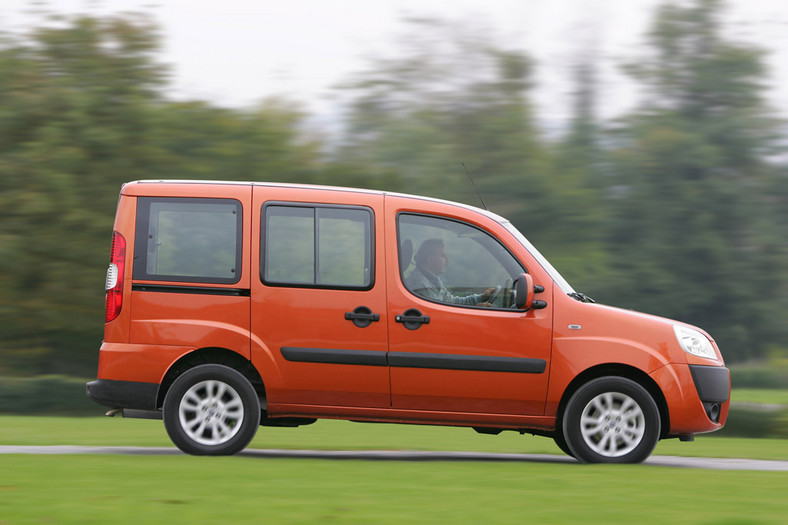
[{"x": 154, "y": 329}]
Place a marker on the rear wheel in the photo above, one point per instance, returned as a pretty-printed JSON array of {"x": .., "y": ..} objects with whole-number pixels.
[
  {"x": 611, "y": 420},
  {"x": 211, "y": 410}
]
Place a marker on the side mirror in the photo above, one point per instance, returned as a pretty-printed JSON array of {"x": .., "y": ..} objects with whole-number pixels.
[{"x": 524, "y": 291}]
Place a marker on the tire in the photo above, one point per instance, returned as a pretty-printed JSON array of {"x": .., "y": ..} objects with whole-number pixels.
[
  {"x": 611, "y": 420},
  {"x": 211, "y": 410},
  {"x": 560, "y": 441}
]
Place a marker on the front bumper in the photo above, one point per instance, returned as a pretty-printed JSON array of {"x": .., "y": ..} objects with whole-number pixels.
[
  {"x": 688, "y": 395},
  {"x": 123, "y": 394}
]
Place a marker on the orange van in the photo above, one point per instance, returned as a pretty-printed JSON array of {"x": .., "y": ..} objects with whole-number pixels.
[{"x": 232, "y": 305}]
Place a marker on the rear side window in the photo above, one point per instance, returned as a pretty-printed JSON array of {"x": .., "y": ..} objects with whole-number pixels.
[
  {"x": 317, "y": 246},
  {"x": 188, "y": 240}
]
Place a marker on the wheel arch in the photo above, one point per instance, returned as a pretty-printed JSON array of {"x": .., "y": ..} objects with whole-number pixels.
[
  {"x": 618, "y": 370},
  {"x": 217, "y": 356}
]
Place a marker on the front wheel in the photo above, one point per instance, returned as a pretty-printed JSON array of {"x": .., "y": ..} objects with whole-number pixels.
[
  {"x": 211, "y": 410},
  {"x": 611, "y": 420}
]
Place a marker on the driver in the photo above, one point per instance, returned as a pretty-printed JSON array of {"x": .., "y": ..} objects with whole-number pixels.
[{"x": 431, "y": 262}]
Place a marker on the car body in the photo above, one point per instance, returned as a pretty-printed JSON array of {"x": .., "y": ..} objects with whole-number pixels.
[{"x": 236, "y": 304}]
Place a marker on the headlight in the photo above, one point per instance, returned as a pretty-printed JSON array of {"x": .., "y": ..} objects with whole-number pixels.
[{"x": 694, "y": 342}]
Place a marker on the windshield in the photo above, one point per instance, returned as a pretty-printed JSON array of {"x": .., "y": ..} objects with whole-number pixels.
[{"x": 557, "y": 277}]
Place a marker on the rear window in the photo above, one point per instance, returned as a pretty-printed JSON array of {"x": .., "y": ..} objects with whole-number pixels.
[{"x": 188, "y": 240}]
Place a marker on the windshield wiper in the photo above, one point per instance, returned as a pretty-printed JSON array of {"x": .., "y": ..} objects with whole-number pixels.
[{"x": 583, "y": 298}]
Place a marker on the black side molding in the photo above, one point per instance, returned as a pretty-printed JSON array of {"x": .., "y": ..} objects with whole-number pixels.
[
  {"x": 467, "y": 362},
  {"x": 334, "y": 356},
  {"x": 414, "y": 360}
]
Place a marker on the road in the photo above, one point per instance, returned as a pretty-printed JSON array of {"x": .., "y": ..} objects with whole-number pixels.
[{"x": 409, "y": 455}]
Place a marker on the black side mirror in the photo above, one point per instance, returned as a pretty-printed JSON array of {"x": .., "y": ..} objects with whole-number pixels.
[{"x": 524, "y": 291}]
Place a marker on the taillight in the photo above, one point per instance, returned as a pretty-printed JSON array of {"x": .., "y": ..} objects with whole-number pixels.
[{"x": 114, "y": 285}]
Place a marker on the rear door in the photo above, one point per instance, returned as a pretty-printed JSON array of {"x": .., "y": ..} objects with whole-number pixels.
[
  {"x": 319, "y": 321},
  {"x": 453, "y": 348}
]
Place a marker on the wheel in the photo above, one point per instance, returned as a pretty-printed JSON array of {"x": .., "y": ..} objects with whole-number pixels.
[
  {"x": 611, "y": 420},
  {"x": 211, "y": 410}
]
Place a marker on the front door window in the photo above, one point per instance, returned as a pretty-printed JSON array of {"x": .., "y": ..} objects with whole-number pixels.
[{"x": 452, "y": 262}]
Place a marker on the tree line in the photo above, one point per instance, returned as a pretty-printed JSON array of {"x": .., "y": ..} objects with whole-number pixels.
[{"x": 678, "y": 208}]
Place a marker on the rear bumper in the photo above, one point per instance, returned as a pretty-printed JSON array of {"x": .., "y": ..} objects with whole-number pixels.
[{"x": 123, "y": 394}]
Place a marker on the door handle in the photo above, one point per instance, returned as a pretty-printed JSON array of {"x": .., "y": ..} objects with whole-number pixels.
[
  {"x": 362, "y": 317},
  {"x": 412, "y": 319}
]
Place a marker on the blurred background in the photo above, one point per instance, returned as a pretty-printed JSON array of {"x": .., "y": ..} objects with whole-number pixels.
[{"x": 640, "y": 145}]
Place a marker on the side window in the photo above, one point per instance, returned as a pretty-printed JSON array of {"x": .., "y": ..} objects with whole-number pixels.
[
  {"x": 188, "y": 240},
  {"x": 317, "y": 246},
  {"x": 448, "y": 261}
]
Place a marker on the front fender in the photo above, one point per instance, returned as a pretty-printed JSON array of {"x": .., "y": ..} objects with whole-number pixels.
[{"x": 574, "y": 355}]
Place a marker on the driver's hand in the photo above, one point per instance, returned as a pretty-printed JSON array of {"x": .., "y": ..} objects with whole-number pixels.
[
  {"x": 487, "y": 293},
  {"x": 486, "y": 305}
]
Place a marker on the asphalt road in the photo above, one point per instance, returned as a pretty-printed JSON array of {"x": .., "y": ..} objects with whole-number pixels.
[{"x": 406, "y": 455}]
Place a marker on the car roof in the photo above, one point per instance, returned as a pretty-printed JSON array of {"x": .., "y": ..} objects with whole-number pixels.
[{"x": 317, "y": 187}]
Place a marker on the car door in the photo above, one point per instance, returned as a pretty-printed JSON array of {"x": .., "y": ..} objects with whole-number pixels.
[
  {"x": 453, "y": 348},
  {"x": 319, "y": 333}
]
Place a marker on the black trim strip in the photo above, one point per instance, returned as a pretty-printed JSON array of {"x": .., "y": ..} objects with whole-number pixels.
[
  {"x": 334, "y": 356},
  {"x": 467, "y": 362},
  {"x": 415, "y": 360},
  {"x": 713, "y": 383},
  {"x": 202, "y": 290}
]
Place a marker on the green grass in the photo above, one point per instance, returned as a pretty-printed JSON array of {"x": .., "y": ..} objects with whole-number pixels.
[
  {"x": 250, "y": 489},
  {"x": 185, "y": 489},
  {"x": 345, "y": 435},
  {"x": 763, "y": 397}
]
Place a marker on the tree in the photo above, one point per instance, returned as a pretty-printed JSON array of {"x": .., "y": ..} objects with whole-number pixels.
[
  {"x": 453, "y": 98},
  {"x": 82, "y": 111},
  {"x": 575, "y": 229},
  {"x": 691, "y": 234},
  {"x": 456, "y": 98},
  {"x": 73, "y": 127},
  {"x": 199, "y": 141}
]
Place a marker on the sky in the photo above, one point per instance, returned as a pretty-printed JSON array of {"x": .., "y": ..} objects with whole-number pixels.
[{"x": 238, "y": 52}]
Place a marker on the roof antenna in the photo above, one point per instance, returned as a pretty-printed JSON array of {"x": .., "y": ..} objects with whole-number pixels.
[{"x": 474, "y": 186}]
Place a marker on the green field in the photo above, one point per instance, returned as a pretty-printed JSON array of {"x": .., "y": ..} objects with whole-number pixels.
[
  {"x": 184, "y": 489},
  {"x": 763, "y": 397},
  {"x": 249, "y": 489}
]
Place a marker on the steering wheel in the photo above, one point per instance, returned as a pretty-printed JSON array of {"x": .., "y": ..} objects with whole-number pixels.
[
  {"x": 508, "y": 293},
  {"x": 494, "y": 294}
]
